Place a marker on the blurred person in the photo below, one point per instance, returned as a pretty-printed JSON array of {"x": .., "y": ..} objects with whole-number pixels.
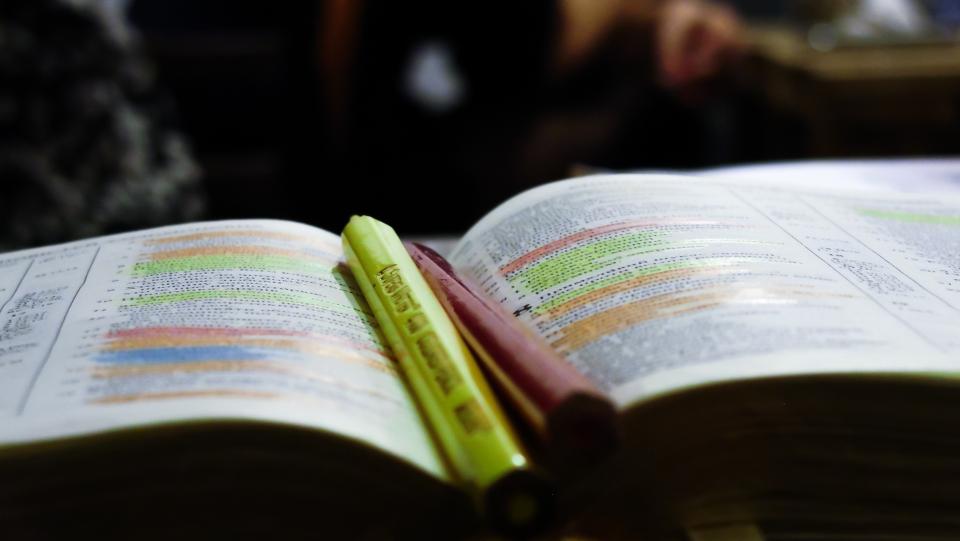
[
  {"x": 693, "y": 40},
  {"x": 480, "y": 102},
  {"x": 86, "y": 146}
]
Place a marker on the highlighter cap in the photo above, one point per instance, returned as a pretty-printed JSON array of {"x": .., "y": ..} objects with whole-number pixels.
[{"x": 520, "y": 503}]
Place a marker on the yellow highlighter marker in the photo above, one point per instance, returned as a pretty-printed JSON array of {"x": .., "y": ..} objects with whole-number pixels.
[{"x": 470, "y": 427}]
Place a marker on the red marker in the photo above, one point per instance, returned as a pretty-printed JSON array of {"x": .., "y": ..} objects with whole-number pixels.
[{"x": 574, "y": 418}]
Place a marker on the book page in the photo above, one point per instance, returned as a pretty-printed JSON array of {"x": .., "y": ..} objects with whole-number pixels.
[
  {"x": 255, "y": 320},
  {"x": 651, "y": 283},
  {"x": 909, "y": 175}
]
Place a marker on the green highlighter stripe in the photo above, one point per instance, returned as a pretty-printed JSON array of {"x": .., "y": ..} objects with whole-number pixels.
[
  {"x": 224, "y": 262},
  {"x": 581, "y": 261},
  {"x": 911, "y": 217},
  {"x": 564, "y": 266},
  {"x": 248, "y": 295},
  {"x": 713, "y": 262}
]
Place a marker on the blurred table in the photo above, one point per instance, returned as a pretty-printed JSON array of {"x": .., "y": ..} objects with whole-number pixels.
[{"x": 896, "y": 98}]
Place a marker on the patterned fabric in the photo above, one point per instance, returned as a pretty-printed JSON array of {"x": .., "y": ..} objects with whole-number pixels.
[{"x": 86, "y": 146}]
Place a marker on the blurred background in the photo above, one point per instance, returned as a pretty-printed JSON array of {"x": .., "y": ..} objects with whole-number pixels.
[{"x": 122, "y": 114}]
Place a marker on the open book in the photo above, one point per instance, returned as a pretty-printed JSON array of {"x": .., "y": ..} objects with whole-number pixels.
[{"x": 777, "y": 355}]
